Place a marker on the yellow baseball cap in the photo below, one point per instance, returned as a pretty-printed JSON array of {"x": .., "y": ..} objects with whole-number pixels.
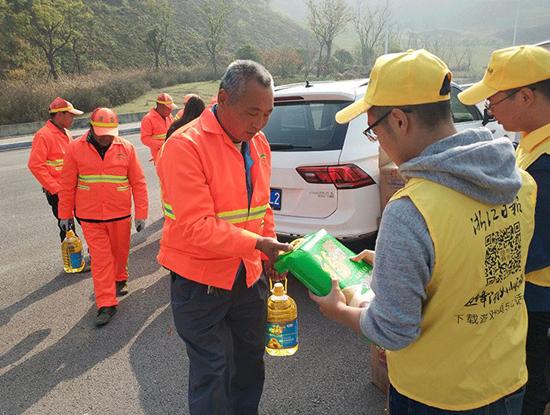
[
  {"x": 509, "y": 68},
  {"x": 409, "y": 78}
]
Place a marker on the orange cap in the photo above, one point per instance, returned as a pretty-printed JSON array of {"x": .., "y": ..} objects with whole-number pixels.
[
  {"x": 167, "y": 100},
  {"x": 62, "y": 105},
  {"x": 104, "y": 121}
]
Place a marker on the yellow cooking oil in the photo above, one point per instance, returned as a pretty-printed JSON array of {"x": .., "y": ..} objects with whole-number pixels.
[
  {"x": 71, "y": 251},
  {"x": 281, "y": 331}
]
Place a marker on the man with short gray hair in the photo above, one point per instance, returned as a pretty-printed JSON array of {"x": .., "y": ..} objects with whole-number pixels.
[{"x": 219, "y": 241}]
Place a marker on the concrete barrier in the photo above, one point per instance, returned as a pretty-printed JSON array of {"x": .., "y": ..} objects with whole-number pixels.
[{"x": 14, "y": 130}]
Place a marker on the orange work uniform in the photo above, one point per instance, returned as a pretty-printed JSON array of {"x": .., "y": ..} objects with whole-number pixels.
[
  {"x": 47, "y": 154},
  {"x": 99, "y": 190},
  {"x": 210, "y": 225},
  {"x": 153, "y": 131}
]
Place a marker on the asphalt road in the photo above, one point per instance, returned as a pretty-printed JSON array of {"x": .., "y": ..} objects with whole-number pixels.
[{"x": 54, "y": 361}]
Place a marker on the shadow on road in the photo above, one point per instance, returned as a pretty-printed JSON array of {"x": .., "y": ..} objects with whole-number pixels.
[
  {"x": 63, "y": 280},
  {"x": 84, "y": 346}
]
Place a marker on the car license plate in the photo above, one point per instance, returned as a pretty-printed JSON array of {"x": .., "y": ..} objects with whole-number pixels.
[{"x": 275, "y": 199}]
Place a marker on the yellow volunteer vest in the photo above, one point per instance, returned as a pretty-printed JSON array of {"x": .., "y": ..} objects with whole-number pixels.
[
  {"x": 471, "y": 349},
  {"x": 531, "y": 147}
]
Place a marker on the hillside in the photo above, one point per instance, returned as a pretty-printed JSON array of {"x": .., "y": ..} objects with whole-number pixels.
[
  {"x": 493, "y": 19},
  {"x": 115, "y": 35}
]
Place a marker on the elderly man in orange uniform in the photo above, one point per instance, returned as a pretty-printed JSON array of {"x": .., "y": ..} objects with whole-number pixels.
[
  {"x": 215, "y": 175},
  {"x": 101, "y": 174},
  {"x": 155, "y": 124},
  {"x": 48, "y": 152}
]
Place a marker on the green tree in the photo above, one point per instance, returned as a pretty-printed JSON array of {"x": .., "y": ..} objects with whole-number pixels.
[
  {"x": 248, "y": 52},
  {"x": 50, "y": 26}
]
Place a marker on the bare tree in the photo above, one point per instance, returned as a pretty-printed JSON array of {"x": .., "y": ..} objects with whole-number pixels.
[
  {"x": 215, "y": 13},
  {"x": 157, "y": 19},
  {"x": 370, "y": 26},
  {"x": 327, "y": 19}
]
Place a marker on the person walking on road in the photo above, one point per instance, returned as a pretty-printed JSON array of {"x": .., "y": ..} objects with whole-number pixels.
[
  {"x": 48, "y": 153},
  {"x": 186, "y": 99},
  {"x": 516, "y": 89},
  {"x": 194, "y": 106},
  {"x": 155, "y": 124},
  {"x": 219, "y": 240},
  {"x": 449, "y": 264},
  {"x": 100, "y": 175}
]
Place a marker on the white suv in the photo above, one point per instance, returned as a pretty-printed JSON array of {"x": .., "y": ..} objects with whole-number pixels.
[{"x": 325, "y": 174}]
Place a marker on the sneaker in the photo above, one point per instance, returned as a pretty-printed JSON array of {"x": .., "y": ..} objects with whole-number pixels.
[
  {"x": 104, "y": 315},
  {"x": 121, "y": 288}
]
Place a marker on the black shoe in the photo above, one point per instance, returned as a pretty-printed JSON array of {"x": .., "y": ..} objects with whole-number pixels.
[
  {"x": 121, "y": 288},
  {"x": 104, "y": 315}
]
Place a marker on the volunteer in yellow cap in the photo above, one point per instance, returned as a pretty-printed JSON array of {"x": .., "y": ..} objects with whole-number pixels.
[
  {"x": 449, "y": 263},
  {"x": 516, "y": 86}
]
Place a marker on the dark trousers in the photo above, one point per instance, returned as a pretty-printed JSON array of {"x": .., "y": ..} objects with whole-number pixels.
[
  {"x": 224, "y": 335},
  {"x": 537, "y": 394},
  {"x": 53, "y": 201},
  {"x": 508, "y": 405}
]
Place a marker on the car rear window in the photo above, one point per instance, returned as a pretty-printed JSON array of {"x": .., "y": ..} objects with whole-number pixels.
[{"x": 306, "y": 126}]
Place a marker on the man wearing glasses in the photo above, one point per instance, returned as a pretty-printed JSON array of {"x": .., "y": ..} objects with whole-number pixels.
[
  {"x": 516, "y": 87},
  {"x": 451, "y": 249}
]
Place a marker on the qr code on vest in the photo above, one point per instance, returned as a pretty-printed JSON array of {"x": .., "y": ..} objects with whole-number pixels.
[{"x": 502, "y": 254}]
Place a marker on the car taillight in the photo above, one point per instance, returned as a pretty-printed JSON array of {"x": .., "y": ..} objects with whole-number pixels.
[{"x": 347, "y": 176}]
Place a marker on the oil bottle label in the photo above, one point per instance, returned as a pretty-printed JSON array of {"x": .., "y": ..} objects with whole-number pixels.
[
  {"x": 76, "y": 259},
  {"x": 281, "y": 336}
]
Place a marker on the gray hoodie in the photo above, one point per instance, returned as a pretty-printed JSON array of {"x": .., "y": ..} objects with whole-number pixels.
[{"x": 470, "y": 162}]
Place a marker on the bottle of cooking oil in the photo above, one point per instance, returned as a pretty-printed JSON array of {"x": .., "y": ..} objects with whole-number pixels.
[
  {"x": 281, "y": 331},
  {"x": 71, "y": 251}
]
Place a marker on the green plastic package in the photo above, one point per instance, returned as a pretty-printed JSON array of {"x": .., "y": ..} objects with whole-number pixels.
[{"x": 318, "y": 258}]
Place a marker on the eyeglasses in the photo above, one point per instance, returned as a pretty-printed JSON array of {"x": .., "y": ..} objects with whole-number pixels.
[
  {"x": 369, "y": 132},
  {"x": 489, "y": 106}
]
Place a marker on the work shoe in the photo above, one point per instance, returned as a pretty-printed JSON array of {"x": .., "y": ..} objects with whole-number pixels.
[
  {"x": 121, "y": 288},
  {"x": 104, "y": 315}
]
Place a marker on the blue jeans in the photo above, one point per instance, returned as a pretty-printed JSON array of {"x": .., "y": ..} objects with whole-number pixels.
[{"x": 508, "y": 405}]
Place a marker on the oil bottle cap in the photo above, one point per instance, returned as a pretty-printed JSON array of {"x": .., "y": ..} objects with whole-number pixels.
[{"x": 278, "y": 289}]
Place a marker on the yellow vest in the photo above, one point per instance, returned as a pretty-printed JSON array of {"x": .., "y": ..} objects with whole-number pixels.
[
  {"x": 471, "y": 348},
  {"x": 531, "y": 147}
]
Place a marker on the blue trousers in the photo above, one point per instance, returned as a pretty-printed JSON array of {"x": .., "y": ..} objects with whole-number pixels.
[
  {"x": 224, "y": 337},
  {"x": 508, "y": 405}
]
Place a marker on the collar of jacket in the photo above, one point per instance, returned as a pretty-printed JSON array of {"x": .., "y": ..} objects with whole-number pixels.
[
  {"x": 210, "y": 124},
  {"x": 88, "y": 136},
  {"x": 534, "y": 138},
  {"x": 51, "y": 126}
]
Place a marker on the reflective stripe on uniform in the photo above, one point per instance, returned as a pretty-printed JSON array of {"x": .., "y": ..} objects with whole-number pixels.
[
  {"x": 243, "y": 215},
  {"x": 168, "y": 211},
  {"x": 102, "y": 178},
  {"x": 56, "y": 163},
  {"x": 159, "y": 136}
]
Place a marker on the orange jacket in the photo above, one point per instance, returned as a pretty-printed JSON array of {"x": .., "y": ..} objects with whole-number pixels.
[
  {"x": 46, "y": 159},
  {"x": 153, "y": 131},
  {"x": 99, "y": 190},
  {"x": 179, "y": 114},
  {"x": 208, "y": 228}
]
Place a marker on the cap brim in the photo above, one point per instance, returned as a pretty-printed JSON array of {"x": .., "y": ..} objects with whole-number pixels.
[
  {"x": 352, "y": 111},
  {"x": 76, "y": 112},
  {"x": 476, "y": 93},
  {"x": 173, "y": 106},
  {"x": 106, "y": 131}
]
